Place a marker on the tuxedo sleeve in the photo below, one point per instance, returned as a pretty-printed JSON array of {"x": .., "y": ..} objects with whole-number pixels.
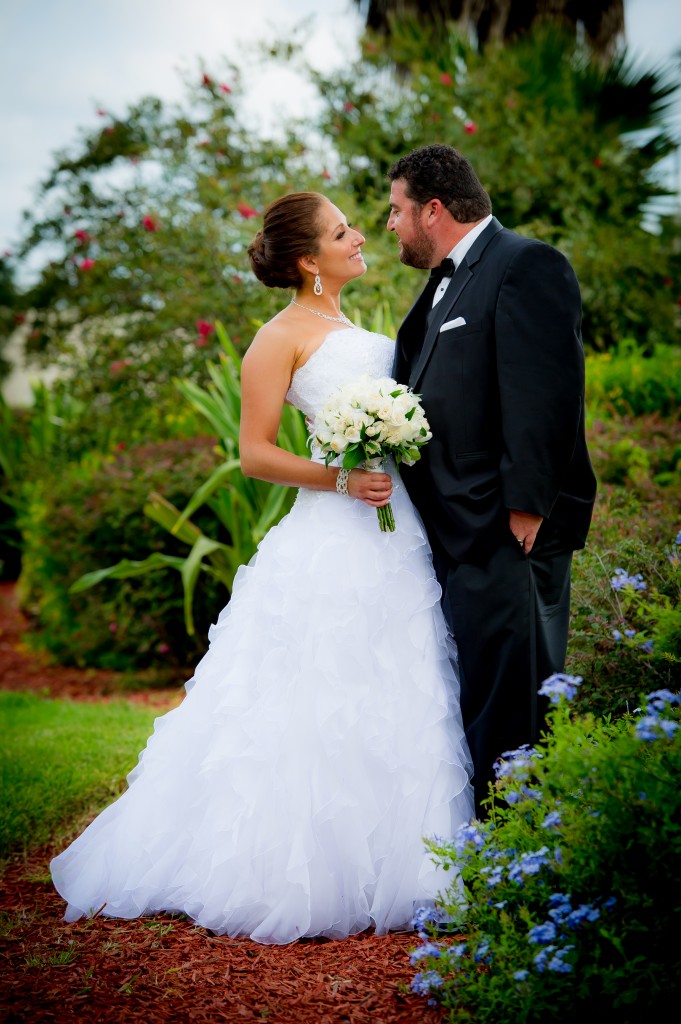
[{"x": 540, "y": 372}]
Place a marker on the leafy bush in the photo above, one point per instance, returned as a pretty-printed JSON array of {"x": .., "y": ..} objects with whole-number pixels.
[
  {"x": 89, "y": 513},
  {"x": 630, "y": 381},
  {"x": 573, "y": 886},
  {"x": 622, "y": 639}
]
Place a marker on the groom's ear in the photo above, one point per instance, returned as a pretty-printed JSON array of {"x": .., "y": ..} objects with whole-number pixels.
[{"x": 434, "y": 210}]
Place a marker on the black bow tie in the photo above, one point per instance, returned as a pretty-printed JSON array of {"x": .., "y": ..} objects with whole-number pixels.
[{"x": 445, "y": 269}]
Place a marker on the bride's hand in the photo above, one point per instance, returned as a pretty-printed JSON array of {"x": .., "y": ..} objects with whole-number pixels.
[{"x": 372, "y": 488}]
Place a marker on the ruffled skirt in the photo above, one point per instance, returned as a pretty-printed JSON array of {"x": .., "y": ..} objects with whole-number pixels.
[{"x": 319, "y": 741}]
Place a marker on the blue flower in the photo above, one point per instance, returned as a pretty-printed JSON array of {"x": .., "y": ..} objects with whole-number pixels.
[
  {"x": 630, "y": 633},
  {"x": 468, "y": 835},
  {"x": 609, "y": 903},
  {"x": 424, "y": 983},
  {"x": 542, "y": 956},
  {"x": 678, "y": 538},
  {"x": 652, "y": 727},
  {"x": 557, "y": 963},
  {"x": 424, "y": 916},
  {"x": 514, "y": 762},
  {"x": 585, "y": 912},
  {"x": 616, "y": 635},
  {"x": 621, "y": 580},
  {"x": 455, "y": 952},
  {"x": 560, "y": 685},
  {"x": 528, "y": 864},
  {"x": 495, "y": 874},
  {"x": 660, "y": 699},
  {"x": 542, "y": 933},
  {"x": 552, "y": 820},
  {"x": 427, "y": 949},
  {"x": 520, "y": 975},
  {"x": 482, "y": 951},
  {"x": 647, "y": 646}
]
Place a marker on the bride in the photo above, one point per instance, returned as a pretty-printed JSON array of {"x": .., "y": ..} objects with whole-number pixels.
[{"x": 320, "y": 738}]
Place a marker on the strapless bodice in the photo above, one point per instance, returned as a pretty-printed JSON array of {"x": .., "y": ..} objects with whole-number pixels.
[{"x": 342, "y": 357}]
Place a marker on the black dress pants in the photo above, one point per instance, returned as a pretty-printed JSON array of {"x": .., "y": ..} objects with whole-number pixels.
[{"x": 509, "y": 616}]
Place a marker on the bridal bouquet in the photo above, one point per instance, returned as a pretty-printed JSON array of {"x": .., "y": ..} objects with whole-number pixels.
[{"x": 368, "y": 420}]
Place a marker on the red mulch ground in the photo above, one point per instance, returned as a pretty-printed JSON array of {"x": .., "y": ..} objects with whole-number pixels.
[{"x": 163, "y": 968}]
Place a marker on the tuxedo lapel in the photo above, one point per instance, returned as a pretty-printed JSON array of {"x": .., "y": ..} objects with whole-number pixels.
[
  {"x": 457, "y": 284},
  {"x": 443, "y": 309}
]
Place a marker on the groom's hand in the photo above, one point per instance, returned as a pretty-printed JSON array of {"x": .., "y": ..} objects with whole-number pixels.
[{"x": 524, "y": 527}]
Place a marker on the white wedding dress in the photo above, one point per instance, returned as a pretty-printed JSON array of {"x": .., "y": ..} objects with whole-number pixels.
[{"x": 319, "y": 740}]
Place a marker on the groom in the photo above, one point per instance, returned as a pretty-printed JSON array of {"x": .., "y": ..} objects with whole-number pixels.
[{"x": 505, "y": 486}]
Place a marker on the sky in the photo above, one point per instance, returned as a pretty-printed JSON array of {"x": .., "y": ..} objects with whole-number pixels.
[{"x": 60, "y": 60}]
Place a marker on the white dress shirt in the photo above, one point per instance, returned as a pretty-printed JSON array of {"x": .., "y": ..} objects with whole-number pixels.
[{"x": 458, "y": 253}]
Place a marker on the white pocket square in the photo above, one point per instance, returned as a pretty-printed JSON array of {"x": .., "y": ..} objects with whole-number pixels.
[{"x": 459, "y": 322}]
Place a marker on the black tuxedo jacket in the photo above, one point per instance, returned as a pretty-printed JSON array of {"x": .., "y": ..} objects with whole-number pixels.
[{"x": 504, "y": 396}]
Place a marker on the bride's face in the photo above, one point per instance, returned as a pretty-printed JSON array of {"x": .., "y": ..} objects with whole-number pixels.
[{"x": 339, "y": 258}]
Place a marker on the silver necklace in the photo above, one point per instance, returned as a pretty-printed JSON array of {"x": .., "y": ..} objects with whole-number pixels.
[{"x": 342, "y": 319}]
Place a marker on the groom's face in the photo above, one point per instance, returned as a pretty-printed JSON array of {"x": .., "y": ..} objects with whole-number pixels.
[{"x": 416, "y": 246}]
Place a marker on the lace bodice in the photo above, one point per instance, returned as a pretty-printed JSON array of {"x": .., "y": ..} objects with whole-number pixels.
[{"x": 341, "y": 358}]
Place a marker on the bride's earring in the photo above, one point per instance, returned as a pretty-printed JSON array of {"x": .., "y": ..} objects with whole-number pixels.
[{"x": 317, "y": 285}]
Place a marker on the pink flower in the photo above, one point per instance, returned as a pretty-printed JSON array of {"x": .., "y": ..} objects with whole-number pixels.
[
  {"x": 205, "y": 328},
  {"x": 149, "y": 223},
  {"x": 121, "y": 446},
  {"x": 247, "y": 211},
  {"x": 19, "y": 318},
  {"x": 113, "y": 627},
  {"x": 87, "y": 264},
  {"x": 81, "y": 235},
  {"x": 225, "y": 88},
  {"x": 118, "y": 365},
  {"x": 470, "y": 127},
  {"x": 200, "y": 342},
  {"x": 446, "y": 78},
  {"x": 326, "y": 175},
  {"x": 348, "y": 106},
  {"x": 207, "y": 81},
  {"x": 163, "y": 648}
]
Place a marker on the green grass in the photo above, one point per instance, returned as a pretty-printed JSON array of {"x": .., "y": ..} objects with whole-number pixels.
[{"x": 60, "y": 759}]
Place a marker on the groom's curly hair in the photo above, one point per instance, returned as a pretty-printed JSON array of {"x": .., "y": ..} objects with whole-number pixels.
[{"x": 441, "y": 172}]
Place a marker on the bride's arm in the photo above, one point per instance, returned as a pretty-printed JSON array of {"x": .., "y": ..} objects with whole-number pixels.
[{"x": 265, "y": 379}]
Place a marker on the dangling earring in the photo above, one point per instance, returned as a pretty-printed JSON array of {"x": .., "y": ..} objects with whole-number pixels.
[{"x": 317, "y": 285}]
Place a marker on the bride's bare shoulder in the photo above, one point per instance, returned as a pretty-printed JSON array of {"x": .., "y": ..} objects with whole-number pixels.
[{"x": 275, "y": 338}]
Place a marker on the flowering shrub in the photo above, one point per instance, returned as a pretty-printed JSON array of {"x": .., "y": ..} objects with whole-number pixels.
[
  {"x": 573, "y": 884},
  {"x": 90, "y": 513}
]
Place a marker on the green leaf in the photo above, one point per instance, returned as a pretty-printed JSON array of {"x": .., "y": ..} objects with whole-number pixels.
[{"x": 126, "y": 569}]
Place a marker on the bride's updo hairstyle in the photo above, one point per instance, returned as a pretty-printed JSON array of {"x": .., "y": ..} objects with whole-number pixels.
[{"x": 291, "y": 229}]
